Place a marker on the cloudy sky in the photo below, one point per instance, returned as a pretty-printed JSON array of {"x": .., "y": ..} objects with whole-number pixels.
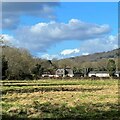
[{"x": 60, "y": 30}]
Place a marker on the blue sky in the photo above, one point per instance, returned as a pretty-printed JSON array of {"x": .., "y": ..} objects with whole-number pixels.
[{"x": 60, "y": 30}]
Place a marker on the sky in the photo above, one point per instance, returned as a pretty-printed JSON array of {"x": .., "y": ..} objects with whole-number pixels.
[{"x": 61, "y": 29}]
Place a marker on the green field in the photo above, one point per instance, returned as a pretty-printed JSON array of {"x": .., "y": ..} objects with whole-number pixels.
[{"x": 58, "y": 99}]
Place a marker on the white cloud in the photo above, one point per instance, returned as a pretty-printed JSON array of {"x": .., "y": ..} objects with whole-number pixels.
[
  {"x": 99, "y": 44},
  {"x": 70, "y": 51},
  {"x": 85, "y": 53},
  {"x": 8, "y": 39},
  {"x": 41, "y": 36},
  {"x": 111, "y": 39},
  {"x": 49, "y": 57}
]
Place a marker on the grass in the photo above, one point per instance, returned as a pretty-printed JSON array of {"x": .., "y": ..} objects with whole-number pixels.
[{"x": 56, "y": 99}]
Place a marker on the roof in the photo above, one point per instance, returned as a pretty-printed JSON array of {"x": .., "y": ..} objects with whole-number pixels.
[
  {"x": 117, "y": 72},
  {"x": 94, "y": 72},
  {"x": 60, "y": 69},
  {"x": 63, "y": 68}
]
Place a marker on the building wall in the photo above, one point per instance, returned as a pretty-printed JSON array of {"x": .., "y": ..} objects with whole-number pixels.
[
  {"x": 91, "y": 74},
  {"x": 60, "y": 72},
  {"x": 99, "y": 74},
  {"x": 102, "y": 75},
  {"x": 65, "y": 72}
]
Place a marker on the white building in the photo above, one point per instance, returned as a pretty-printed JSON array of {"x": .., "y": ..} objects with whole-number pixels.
[{"x": 98, "y": 74}]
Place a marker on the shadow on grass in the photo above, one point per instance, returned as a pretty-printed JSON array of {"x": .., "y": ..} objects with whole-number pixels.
[
  {"x": 48, "y": 89},
  {"x": 56, "y": 112}
]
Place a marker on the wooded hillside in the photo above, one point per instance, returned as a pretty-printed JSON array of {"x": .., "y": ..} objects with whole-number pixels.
[{"x": 18, "y": 63}]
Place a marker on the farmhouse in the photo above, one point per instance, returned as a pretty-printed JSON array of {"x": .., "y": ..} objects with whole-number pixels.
[
  {"x": 98, "y": 74},
  {"x": 63, "y": 72}
]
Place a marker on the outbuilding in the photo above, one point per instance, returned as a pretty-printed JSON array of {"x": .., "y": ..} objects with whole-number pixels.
[{"x": 98, "y": 74}]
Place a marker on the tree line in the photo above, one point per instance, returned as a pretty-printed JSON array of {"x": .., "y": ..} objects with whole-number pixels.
[{"x": 18, "y": 63}]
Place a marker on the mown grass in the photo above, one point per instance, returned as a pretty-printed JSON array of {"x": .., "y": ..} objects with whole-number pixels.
[{"x": 58, "y": 99}]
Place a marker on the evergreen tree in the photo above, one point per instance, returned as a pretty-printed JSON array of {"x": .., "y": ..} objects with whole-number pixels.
[
  {"x": 4, "y": 67},
  {"x": 111, "y": 67}
]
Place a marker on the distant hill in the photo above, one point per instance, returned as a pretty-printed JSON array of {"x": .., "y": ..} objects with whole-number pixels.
[{"x": 97, "y": 56}]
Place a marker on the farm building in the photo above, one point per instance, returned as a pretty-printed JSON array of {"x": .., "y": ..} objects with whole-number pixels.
[
  {"x": 63, "y": 72},
  {"x": 98, "y": 74}
]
